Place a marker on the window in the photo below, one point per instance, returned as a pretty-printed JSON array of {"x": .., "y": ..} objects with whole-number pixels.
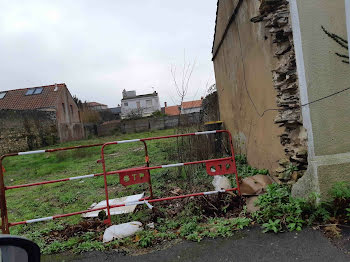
[
  {"x": 30, "y": 91},
  {"x": 125, "y": 104},
  {"x": 34, "y": 91},
  {"x": 64, "y": 109},
  {"x": 71, "y": 110},
  {"x": 2, "y": 95},
  {"x": 38, "y": 90},
  {"x": 149, "y": 103}
]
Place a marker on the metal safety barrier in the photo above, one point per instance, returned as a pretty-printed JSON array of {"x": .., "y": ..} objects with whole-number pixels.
[{"x": 127, "y": 177}]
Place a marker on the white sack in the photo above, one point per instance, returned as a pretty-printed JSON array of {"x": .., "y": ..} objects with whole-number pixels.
[{"x": 121, "y": 231}]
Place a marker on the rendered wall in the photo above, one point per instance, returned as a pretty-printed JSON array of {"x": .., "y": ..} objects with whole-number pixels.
[
  {"x": 323, "y": 73},
  {"x": 245, "y": 60}
]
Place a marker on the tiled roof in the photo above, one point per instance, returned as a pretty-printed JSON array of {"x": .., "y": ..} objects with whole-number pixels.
[
  {"x": 18, "y": 100},
  {"x": 192, "y": 104},
  {"x": 140, "y": 96},
  {"x": 172, "y": 110},
  {"x": 95, "y": 104}
]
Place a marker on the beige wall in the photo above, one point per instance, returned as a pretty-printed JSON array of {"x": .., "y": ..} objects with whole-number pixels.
[
  {"x": 322, "y": 73},
  {"x": 245, "y": 41}
]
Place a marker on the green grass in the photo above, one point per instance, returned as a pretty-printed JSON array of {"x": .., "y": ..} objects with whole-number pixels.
[{"x": 65, "y": 197}]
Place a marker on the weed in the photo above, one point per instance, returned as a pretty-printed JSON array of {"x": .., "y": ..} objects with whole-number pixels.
[
  {"x": 146, "y": 238},
  {"x": 278, "y": 210}
]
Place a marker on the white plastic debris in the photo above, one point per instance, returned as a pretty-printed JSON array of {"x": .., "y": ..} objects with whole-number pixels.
[
  {"x": 221, "y": 182},
  {"x": 121, "y": 231},
  {"x": 150, "y": 225},
  {"x": 116, "y": 210}
]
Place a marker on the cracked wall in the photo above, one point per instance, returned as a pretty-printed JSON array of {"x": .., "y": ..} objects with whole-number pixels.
[{"x": 255, "y": 71}]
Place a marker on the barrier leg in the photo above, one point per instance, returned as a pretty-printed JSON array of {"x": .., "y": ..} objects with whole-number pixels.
[
  {"x": 149, "y": 171},
  {"x": 108, "y": 221},
  {"x": 4, "y": 219}
]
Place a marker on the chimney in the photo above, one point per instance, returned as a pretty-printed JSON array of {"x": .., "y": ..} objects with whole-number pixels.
[
  {"x": 56, "y": 87},
  {"x": 165, "y": 104}
]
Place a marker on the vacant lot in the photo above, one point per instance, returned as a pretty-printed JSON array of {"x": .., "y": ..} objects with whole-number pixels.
[{"x": 81, "y": 234}]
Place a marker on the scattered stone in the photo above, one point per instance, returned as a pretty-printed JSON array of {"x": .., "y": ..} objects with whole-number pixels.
[
  {"x": 284, "y": 162},
  {"x": 295, "y": 176},
  {"x": 250, "y": 203},
  {"x": 255, "y": 185}
]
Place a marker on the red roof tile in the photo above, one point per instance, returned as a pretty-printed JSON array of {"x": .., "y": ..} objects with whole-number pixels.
[
  {"x": 192, "y": 104},
  {"x": 18, "y": 100},
  {"x": 91, "y": 104},
  {"x": 172, "y": 110}
]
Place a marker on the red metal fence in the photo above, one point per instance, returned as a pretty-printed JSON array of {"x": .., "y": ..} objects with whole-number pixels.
[{"x": 132, "y": 176}]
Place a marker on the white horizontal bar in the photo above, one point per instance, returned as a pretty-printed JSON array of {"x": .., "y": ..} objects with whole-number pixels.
[
  {"x": 133, "y": 203},
  {"x": 172, "y": 165},
  {"x": 81, "y": 177},
  {"x": 39, "y": 220},
  {"x": 205, "y": 132},
  {"x": 210, "y": 192},
  {"x": 149, "y": 205},
  {"x": 31, "y": 152},
  {"x": 128, "y": 141}
]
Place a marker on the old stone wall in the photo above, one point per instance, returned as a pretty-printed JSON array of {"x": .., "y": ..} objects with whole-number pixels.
[
  {"x": 141, "y": 125},
  {"x": 26, "y": 130},
  {"x": 157, "y": 123},
  {"x": 210, "y": 108},
  {"x": 275, "y": 16}
]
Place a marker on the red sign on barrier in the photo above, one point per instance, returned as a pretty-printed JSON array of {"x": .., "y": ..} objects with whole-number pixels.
[
  {"x": 128, "y": 178},
  {"x": 220, "y": 167}
]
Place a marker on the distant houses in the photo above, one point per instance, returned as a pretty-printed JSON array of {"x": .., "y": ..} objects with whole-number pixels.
[
  {"x": 51, "y": 98},
  {"x": 96, "y": 106},
  {"x": 183, "y": 109},
  {"x": 133, "y": 105}
]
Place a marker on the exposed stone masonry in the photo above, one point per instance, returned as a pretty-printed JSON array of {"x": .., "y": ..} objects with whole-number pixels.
[{"x": 276, "y": 17}]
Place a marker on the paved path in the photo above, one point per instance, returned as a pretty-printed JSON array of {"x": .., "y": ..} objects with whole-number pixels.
[{"x": 249, "y": 245}]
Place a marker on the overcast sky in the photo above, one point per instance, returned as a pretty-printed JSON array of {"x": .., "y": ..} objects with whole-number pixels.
[{"x": 100, "y": 47}]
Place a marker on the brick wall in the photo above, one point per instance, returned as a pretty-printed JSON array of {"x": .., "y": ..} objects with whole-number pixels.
[{"x": 26, "y": 130}]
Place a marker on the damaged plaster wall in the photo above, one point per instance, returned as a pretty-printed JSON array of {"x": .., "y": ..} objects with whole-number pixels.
[
  {"x": 255, "y": 70},
  {"x": 275, "y": 15}
]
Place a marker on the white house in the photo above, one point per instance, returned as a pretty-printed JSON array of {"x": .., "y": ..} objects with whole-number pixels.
[{"x": 141, "y": 105}]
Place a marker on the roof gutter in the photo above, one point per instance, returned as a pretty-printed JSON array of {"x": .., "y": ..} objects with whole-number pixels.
[{"x": 232, "y": 18}]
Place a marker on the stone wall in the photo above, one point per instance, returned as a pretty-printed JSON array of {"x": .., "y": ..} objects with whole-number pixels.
[
  {"x": 141, "y": 125},
  {"x": 157, "y": 123},
  {"x": 26, "y": 130},
  {"x": 210, "y": 108},
  {"x": 275, "y": 16}
]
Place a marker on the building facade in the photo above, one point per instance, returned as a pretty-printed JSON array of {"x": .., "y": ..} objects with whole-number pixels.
[
  {"x": 56, "y": 98},
  {"x": 133, "y": 105},
  {"x": 271, "y": 60}
]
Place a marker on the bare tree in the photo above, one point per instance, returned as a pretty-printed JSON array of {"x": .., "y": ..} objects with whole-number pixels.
[{"x": 182, "y": 83}]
